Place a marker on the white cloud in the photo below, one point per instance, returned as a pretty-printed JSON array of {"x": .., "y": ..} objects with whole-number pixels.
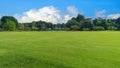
[
  {"x": 72, "y": 10},
  {"x": 49, "y": 14},
  {"x": 103, "y": 12},
  {"x": 67, "y": 17},
  {"x": 114, "y": 16},
  {"x": 100, "y": 14}
]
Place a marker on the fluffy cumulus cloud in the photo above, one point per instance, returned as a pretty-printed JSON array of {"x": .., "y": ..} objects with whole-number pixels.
[
  {"x": 72, "y": 10},
  {"x": 49, "y": 14},
  {"x": 114, "y": 16},
  {"x": 100, "y": 14}
]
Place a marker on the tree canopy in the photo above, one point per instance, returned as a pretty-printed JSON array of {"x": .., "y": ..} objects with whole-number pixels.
[
  {"x": 78, "y": 23},
  {"x": 9, "y": 23}
]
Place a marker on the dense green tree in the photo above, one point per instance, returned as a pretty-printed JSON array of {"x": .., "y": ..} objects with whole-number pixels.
[
  {"x": 43, "y": 27},
  {"x": 9, "y": 26},
  {"x": 27, "y": 26},
  {"x": 71, "y": 24},
  {"x": 56, "y": 27},
  {"x": 33, "y": 26},
  {"x": 63, "y": 26},
  {"x": 21, "y": 26},
  {"x": 104, "y": 24},
  {"x": 97, "y": 22},
  {"x": 98, "y": 28},
  {"x": 118, "y": 23},
  {"x": 4, "y": 19},
  {"x": 8, "y": 23},
  {"x": 74, "y": 27},
  {"x": 75, "y": 23},
  {"x": 111, "y": 24},
  {"x": 101, "y": 22},
  {"x": 80, "y": 18},
  {"x": 49, "y": 26},
  {"x": 87, "y": 25}
]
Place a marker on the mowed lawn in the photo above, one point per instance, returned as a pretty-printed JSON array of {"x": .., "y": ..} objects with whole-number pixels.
[{"x": 60, "y": 49}]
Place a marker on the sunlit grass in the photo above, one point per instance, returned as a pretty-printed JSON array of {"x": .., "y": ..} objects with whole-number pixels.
[{"x": 60, "y": 49}]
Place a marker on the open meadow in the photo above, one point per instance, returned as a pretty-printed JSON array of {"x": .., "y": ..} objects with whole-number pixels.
[{"x": 94, "y": 49}]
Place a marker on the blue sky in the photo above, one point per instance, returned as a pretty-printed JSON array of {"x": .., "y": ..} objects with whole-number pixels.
[{"x": 87, "y": 7}]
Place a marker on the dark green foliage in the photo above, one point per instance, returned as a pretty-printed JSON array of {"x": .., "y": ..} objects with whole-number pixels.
[
  {"x": 87, "y": 24},
  {"x": 20, "y": 26},
  {"x": 111, "y": 24},
  {"x": 101, "y": 22},
  {"x": 9, "y": 23},
  {"x": 98, "y": 28},
  {"x": 118, "y": 23},
  {"x": 104, "y": 24},
  {"x": 72, "y": 24},
  {"x": 42, "y": 25},
  {"x": 33, "y": 26},
  {"x": 5, "y": 18},
  {"x": 80, "y": 18}
]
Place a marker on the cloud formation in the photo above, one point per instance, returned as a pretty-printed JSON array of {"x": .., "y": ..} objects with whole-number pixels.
[
  {"x": 54, "y": 15},
  {"x": 72, "y": 10},
  {"x": 49, "y": 14},
  {"x": 100, "y": 14},
  {"x": 114, "y": 16}
]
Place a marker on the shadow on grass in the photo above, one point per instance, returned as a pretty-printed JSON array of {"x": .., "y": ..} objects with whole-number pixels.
[{"x": 21, "y": 61}]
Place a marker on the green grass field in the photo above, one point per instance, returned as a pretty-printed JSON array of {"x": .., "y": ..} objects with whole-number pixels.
[{"x": 60, "y": 49}]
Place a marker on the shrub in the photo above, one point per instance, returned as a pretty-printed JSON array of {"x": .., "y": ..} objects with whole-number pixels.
[{"x": 97, "y": 28}]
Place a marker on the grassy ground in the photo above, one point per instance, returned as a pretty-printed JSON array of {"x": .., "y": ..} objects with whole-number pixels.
[{"x": 60, "y": 49}]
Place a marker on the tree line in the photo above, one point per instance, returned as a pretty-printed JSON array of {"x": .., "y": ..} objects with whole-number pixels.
[{"x": 79, "y": 23}]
